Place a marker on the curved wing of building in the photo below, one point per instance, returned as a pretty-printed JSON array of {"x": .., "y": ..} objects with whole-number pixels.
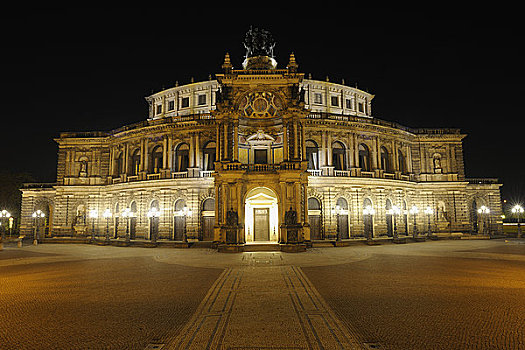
[{"x": 256, "y": 155}]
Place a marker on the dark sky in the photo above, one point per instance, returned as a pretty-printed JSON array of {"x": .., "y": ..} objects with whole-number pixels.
[{"x": 90, "y": 69}]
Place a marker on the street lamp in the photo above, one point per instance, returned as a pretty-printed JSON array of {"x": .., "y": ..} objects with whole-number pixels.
[
  {"x": 369, "y": 211},
  {"x": 93, "y": 214},
  {"x": 517, "y": 210},
  {"x": 185, "y": 212},
  {"x": 337, "y": 212},
  {"x": 36, "y": 218},
  {"x": 429, "y": 211},
  {"x": 395, "y": 211},
  {"x": 127, "y": 214},
  {"x": 414, "y": 211},
  {"x": 153, "y": 215},
  {"x": 107, "y": 215},
  {"x": 484, "y": 211}
]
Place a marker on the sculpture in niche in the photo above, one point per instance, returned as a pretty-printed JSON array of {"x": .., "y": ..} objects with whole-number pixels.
[
  {"x": 437, "y": 163},
  {"x": 83, "y": 167},
  {"x": 232, "y": 219},
  {"x": 290, "y": 217}
]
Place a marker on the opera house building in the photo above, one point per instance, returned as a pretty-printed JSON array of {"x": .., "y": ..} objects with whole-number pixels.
[{"x": 260, "y": 154}]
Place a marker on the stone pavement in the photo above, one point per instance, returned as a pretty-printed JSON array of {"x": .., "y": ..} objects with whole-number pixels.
[
  {"x": 264, "y": 308},
  {"x": 433, "y": 295}
]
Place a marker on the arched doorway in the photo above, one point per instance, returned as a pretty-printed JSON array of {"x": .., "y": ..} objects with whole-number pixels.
[
  {"x": 314, "y": 218},
  {"x": 342, "y": 218},
  {"x": 261, "y": 216},
  {"x": 179, "y": 220},
  {"x": 133, "y": 220},
  {"x": 389, "y": 219},
  {"x": 312, "y": 155},
  {"x": 368, "y": 219},
  {"x": 154, "y": 217},
  {"x": 208, "y": 219}
]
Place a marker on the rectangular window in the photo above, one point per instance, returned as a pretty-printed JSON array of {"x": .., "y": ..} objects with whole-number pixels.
[
  {"x": 201, "y": 100},
  {"x": 171, "y": 105},
  {"x": 334, "y": 101},
  {"x": 159, "y": 109},
  {"x": 318, "y": 98},
  {"x": 348, "y": 103},
  {"x": 261, "y": 156},
  {"x": 361, "y": 107},
  {"x": 185, "y": 102}
]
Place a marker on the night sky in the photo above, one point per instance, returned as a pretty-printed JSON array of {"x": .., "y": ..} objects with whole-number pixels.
[{"x": 90, "y": 69}]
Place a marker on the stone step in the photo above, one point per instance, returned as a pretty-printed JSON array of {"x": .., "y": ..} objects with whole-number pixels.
[{"x": 262, "y": 247}]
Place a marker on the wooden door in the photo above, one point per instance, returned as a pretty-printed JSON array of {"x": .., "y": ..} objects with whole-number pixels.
[
  {"x": 261, "y": 224},
  {"x": 207, "y": 228},
  {"x": 315, "y": 226}
]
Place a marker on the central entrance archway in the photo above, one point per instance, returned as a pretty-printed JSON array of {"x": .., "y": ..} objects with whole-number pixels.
[{"x": 261, "y": 216}]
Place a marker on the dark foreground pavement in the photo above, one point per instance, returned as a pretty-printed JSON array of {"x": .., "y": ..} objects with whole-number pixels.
[
  {"x": 120, "y": 303},
  {"x": 432, "y": 295},
  {"x": 428, "y": 302}
]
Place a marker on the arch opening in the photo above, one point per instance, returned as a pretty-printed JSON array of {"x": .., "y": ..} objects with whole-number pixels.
[{"x": 261, "y": 216}]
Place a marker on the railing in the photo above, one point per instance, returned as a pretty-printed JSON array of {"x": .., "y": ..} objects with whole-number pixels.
[
  {"x": 154, "y": 176},
  {"x": 133, "y": 178},
  {"x": 179, "y": 174},
  {"x": 315, "y": 172},
  {"x": 482, "y": 181},
  {"x": 389, "y": 175},
  {"x": 367, "y": 173},
  {"x": 206, "y": 173},
  {"x": 343, "y": 173}
]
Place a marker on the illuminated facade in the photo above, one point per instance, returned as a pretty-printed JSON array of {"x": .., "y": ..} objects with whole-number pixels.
[{"x": 261, "y": 154}]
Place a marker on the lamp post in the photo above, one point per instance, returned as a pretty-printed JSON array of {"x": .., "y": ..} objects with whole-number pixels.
[
  {"x": 369, "y": 211},
  {"x": 517, "y": 210},
  {"x": 126, "y": 213},
  {"x": 107, "y": 215},
  {"x": 337, "y": 212},
  {"x": 185, "y": 212},
  {"x": 37, "y": 215},
  {"x": 429, "y": 211},
  {"x": 484, "y": 211},
  {"x": 93, "y": 214},
  {"x": 395, "y": 212},
  {"x": 414, "y": 211},
  {"x": 153, "y": 215}
]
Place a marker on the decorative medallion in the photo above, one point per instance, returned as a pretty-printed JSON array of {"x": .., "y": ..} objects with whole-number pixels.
[{"x": 261, "y": 105}]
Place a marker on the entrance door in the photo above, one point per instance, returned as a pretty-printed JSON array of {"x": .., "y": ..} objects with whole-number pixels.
[
  {"x": 315, "y": 226},
  {"x": 207, "y": 228},
  {"x": 261, "y": 224}
]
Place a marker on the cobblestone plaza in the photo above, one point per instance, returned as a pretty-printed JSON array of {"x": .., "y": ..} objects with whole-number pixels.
[{"x": 447, "y": 294}]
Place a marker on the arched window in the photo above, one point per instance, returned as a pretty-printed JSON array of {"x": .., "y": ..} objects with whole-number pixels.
[
  {"x": 135, "y": 162},
  {"x": 364, "y": 157},
  {"x": 402, "y": 162},
  {"x": 156, "y": 160},
  {"x": 182, "y": 157},
  {"x": 338, "y": 156},
  {"x": 119, "y": 164},
  {"x": 312, "y": 155},
  {"x": 385, "y": 161},
  {"x": 209, "y": 156}
]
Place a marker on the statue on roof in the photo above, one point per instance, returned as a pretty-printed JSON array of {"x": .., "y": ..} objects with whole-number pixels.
[{"x": 258, "y": 42}]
